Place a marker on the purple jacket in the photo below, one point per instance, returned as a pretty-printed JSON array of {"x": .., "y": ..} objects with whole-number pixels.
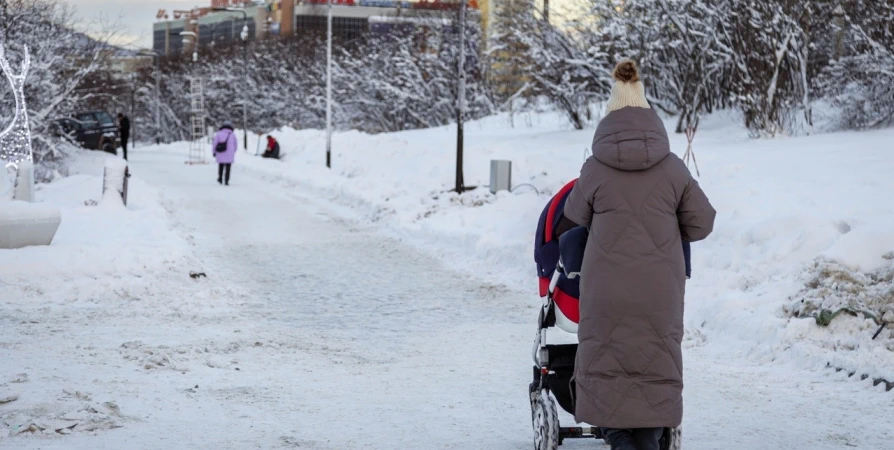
[{"x": 225, "y": 134}]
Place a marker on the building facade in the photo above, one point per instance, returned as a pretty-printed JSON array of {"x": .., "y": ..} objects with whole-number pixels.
[
  {"x": 212, "y": 28},
  {"x": 351, "y": 20}
]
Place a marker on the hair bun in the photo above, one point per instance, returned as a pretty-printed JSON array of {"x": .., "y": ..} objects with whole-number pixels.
[{"x": 626, "y": 72}]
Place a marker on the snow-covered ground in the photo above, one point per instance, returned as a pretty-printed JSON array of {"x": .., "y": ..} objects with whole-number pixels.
[
  {"x": 782, "y": 204},
  {"x": 368, "y": 307}
]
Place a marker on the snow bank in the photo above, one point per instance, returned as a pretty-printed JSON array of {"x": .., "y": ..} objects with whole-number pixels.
[
  {"x": 96, "y": 241},
  {"x": 24, "y": 223},
  {"x": 21, "y": 212},
  {"x": 104, "y": 259},
  {"x": 781, "y": 204},
  {"x": 863, "y": 248}
]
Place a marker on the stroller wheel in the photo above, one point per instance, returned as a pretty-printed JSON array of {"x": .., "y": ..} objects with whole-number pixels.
[
  {"x": 672, "y": 439},
  {"x": 545, "y": 419}
]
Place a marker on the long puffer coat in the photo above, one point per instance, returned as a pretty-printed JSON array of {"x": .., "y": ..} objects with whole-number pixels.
[
  {"x": 639, "y": 200},
  {"x": 228, "y": 136}
]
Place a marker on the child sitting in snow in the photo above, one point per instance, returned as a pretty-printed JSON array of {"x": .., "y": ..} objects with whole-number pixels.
[{"x": 272, "y": 150}]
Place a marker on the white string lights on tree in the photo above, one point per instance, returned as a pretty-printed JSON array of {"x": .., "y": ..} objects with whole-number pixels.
[{"x": 15, "y": 140}]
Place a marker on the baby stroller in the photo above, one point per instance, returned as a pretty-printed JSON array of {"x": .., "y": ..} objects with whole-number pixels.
[{"x": 559, "y": 252}]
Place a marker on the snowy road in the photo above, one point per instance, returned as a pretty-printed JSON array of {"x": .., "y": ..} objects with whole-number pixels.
[{"x": 314, "y": 332}]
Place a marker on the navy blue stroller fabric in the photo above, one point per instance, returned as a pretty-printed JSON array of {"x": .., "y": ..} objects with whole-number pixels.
[
  {"x": 551, "y": 225},
  {"x": 571, "y": 248}
]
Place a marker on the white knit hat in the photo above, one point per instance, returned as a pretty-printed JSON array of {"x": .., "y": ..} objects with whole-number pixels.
[{"x": 628, "y": 90}]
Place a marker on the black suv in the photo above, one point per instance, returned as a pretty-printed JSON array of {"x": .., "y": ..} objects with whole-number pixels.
[{"x": 93, "y": 130}]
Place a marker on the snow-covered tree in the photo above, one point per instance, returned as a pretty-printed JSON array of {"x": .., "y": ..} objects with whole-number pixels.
[
  {"x": 769, "y": 48},
  {"x": 761, "y": 58},
  {"x": 62, "y": 61},
  {"x": 408, "y": 78},
  {"x": 569, "y": 74},
  {"x": 509, "y": 54},
  {"x": 674, "y": 42},
  {"x": 531, "y": 57},
  {"x": 401, "y": 79},
  {"x": 685, "y": 62},
  {"x": 770, "y": 60},
  {"x": 285, "y": 86},
  {"x": 859, "y": 79}
]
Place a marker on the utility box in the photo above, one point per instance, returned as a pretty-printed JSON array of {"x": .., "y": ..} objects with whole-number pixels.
[{"x": 500, "y": 175}]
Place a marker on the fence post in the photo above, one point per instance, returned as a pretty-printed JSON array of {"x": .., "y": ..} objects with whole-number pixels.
[
  {"x": 24, "y": 183},
  {"x": 115, "y": 179}
]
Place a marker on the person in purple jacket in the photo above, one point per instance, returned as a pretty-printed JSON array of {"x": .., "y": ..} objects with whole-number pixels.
[{"x": 224, "y": 147}]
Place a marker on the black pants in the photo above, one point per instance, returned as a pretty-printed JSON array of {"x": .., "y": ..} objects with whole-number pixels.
[
  {"x": 634, "y": 438},
  {"x": 124, "y": 140},
  {"x": 221, "y": 169}
]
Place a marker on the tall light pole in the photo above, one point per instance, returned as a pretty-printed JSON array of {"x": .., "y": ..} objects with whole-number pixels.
[
  {"x": 155, "y": 55},
  {"x": 244, "y": 36},
  {"x": 329, "y": 86},
  {"x": 133, "y": 95},
  {"x": 460, "y": 97},
  {"x": 157, "y": 99}
]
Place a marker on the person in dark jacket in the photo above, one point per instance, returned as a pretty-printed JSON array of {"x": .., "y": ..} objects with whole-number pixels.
[
  {"x": 639, "y": 201},
  {"x": 124, "y": 131},
  {"x": 272, "y": 150}
]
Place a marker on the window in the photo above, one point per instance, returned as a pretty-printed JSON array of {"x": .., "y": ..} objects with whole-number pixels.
[
  {"x": 158, "y": 40},
  {"x": 343, "y": 28},
  {"x": 105, "y": 119},
  {"x": 176, "y": 40},
  {"x": 87, "y": 120}
]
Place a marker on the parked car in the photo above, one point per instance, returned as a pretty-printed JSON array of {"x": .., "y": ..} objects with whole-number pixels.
[{"x": 93, "y": 130}]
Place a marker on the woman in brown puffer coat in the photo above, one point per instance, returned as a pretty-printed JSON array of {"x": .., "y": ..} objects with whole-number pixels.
[{"x": 638, "y": 200}]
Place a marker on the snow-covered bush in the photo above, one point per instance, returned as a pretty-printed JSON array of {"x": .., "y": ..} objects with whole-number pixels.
[{"x": 832, "y": 289}]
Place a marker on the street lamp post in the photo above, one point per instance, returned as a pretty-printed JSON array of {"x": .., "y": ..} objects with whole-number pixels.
[
  {"x": 244, "y": 37},
  {"x": 157, "y": 93},
  {"x": 460, "y": 97},
  {"x": 329, "y": 86},
  {"x": 133, "y": 95}
]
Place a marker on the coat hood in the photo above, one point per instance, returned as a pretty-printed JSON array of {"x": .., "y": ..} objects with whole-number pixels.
[{"x": 631, "y": 139}]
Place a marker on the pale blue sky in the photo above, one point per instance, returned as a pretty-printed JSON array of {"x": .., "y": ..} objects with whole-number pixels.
[{"x": 135, "y": 16}]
